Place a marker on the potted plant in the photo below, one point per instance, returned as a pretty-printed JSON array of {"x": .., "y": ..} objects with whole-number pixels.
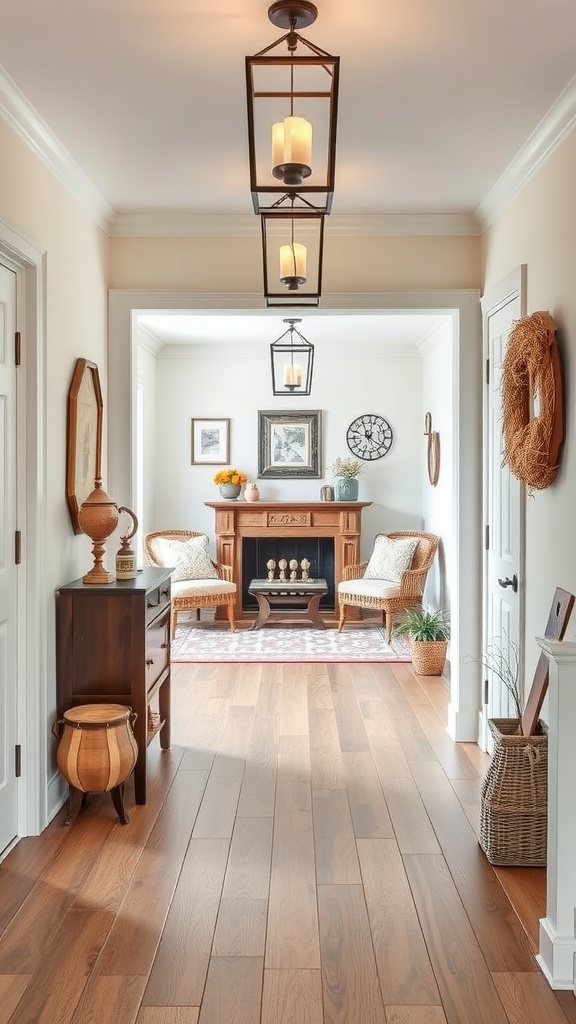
[
  {"x": 428, "y": 633},
  {"x": 230, "y": 482},
  {"x": 346, "y": 471}
]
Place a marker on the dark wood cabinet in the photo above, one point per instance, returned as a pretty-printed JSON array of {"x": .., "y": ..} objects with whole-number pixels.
[{"x": 113, "y": 645}]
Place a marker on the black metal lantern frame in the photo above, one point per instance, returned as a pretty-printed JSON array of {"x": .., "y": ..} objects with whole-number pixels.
[
  {"x": 283, "y": 85},
  {"x": 292, "y": 359},
  {"x": 289, "y": 230}
]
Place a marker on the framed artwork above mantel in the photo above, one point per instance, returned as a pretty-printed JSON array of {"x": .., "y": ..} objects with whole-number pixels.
[
  {"x": 83, "y": 436},
  {"x": 289, "y": 444}
]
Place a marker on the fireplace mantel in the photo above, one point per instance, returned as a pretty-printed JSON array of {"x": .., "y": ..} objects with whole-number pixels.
[{"x": 235, "y": 520}]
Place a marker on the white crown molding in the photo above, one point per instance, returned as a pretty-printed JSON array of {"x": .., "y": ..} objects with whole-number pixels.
[
  {"x": 186, "y": 224},
  {"x": 403, "y": 224},
  {"x": 183, "y": 224},
  {"x": 554, "y": 127},
  {"x": 29, "y": 126},
  {"x": 148, "y": 341},
  {"x": 227, "y": 350}
]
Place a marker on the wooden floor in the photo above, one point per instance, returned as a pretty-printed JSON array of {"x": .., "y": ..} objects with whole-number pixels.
[{"x": 307, "y": 855}]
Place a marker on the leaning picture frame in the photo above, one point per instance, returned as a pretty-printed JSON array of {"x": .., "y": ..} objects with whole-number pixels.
[
  {"x": 83, "y": 436},
  {"x": 210, "y": 442},
  {"x": 289, "y": 444}
]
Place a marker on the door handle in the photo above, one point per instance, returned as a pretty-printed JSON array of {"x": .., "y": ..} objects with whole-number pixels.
[{"x": 510, "y": 582}]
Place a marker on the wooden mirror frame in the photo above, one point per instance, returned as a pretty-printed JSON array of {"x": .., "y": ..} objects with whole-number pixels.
[{"x": 83, "y": 436}]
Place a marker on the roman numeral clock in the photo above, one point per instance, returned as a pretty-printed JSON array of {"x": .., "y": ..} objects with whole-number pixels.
[{"x": 369, "y": 437}]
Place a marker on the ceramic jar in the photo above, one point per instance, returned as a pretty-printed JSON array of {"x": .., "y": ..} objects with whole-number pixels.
[
  {"x": 347, "y": 488},
  {"x": 251, "y": 492}
]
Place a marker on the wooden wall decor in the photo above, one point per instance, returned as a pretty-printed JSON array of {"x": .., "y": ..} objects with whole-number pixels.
[
  {"x": 433, "y": 453},
  {"x": 83, "y": 436}
]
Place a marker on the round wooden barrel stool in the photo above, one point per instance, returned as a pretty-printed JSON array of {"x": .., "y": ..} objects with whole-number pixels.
[{"x": 96, "y": 753}]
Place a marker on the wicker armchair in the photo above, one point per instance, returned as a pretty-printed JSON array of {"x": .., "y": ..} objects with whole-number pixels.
[
  {"x": 384, "y": 595},
  {"x": 192, "y": 595}
]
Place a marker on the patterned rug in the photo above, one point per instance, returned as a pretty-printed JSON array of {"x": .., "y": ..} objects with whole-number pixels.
[{"x": 271, "y": 643}]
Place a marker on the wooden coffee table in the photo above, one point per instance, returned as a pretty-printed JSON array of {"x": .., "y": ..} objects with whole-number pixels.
[{"x": 274, "y": 594}]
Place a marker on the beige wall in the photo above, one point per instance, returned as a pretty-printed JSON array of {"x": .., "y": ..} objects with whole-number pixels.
[
  {"x": 35, "y": 205},
  {"x": 539, "y": 229},
  {"x": 350, "y": 264}
]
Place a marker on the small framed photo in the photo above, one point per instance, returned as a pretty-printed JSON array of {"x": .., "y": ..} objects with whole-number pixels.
[
  {"x": 289, "y": 444},
  {"x": 210, "y": 442}
]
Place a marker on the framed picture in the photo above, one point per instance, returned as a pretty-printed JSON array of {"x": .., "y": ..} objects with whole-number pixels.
[
  {"x": 83, "y": 436},
  {"x": 210, "y": 442},
  {"x": 289, "y": 444}
]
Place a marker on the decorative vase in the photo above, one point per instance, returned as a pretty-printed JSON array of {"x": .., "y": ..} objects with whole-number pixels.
[
  {"x": 230, "y": 491},
  {"x": 98, "y": 518},
  {"x": 347, "y": 488},
  {"x": 251, "y": 492}
]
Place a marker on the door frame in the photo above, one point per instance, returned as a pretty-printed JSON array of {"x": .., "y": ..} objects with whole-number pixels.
[
  {"x": 29, "y": 263},
  {"x": 463, "y": 306},
  {"x": 511, "y": 287}
]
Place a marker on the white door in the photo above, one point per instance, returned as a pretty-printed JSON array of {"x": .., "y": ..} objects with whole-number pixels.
[
  {"x": 8, "y": 594},
  {"x": 503, "y": 584}
]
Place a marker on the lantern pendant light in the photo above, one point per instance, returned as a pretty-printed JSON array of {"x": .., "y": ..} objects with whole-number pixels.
[
  {"x": 292, "y": 357},
  {"x": 291, "y": 98}
]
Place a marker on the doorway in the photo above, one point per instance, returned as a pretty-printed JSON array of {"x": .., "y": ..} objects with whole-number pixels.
[{"x": 463, "y": 309}]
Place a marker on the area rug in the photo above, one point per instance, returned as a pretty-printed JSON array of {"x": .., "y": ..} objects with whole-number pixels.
[{"x": 209, "y": 643}]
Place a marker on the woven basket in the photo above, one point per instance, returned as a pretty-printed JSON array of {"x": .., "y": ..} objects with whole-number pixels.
[
  {"x": 513, "y": 814},
  {"x": 428, "y": 656}
]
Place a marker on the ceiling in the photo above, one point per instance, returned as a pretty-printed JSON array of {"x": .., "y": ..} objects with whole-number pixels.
[
  {"x": 437, "y": 97},
  {"x": 144, "y": 102},
  {"x": 345, "y": 330}
]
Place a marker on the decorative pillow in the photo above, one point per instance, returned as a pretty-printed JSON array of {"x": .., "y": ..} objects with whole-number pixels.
[
  {"x": 391, "y": 557},
  {"x": 190, "y": 558}
]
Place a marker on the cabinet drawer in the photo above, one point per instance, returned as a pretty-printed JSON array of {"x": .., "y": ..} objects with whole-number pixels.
[
  {"x": 157, "y": 641},
  {"x": 156, "y": 600}
]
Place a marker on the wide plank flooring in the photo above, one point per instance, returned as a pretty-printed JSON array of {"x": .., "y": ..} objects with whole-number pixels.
[{"x": 308, "y": 855}]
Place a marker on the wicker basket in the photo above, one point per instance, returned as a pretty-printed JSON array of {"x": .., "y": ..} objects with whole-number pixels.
[
  {"x": 428, "y": 656},
  {"x": 513, "y": 815}
]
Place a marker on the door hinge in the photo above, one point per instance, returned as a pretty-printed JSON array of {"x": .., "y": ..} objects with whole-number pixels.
[
  {"x": 485, "y": 691},
  {"x": 17, "y": 547},
  {"x": 17, "y": 348},
  {"x": 18, "y": 760},
  {"x": 487, "y": 536},
  {"x": 487, "y": 371}
]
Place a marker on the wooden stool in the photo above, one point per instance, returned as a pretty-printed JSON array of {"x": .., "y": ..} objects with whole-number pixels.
[{"x": 96, "y": 753}]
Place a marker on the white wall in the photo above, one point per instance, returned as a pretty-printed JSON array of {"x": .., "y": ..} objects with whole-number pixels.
[
  {"x": 438, "y": 501},
  {"x": 216, "y": 383},
  {"x": 145, "y": 456}
]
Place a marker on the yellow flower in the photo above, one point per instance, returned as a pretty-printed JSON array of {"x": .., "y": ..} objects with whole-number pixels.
[{"x": 229, "y": 476}]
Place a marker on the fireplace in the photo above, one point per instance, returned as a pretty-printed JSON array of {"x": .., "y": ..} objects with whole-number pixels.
[
  {"x": 319, "y": 551},
  {"x": 323, "y": 524}
]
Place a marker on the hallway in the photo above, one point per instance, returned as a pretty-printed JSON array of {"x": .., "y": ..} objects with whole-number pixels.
[{"x": 307, "y": 855}]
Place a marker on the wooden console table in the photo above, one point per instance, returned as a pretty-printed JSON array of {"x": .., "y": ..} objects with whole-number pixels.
[{"x": 235, "y": 520}]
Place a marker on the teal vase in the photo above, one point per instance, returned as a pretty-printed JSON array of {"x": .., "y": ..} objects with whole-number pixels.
[
  {"x": 347, "y": 488},
  {"x": 230, "y": 491}
]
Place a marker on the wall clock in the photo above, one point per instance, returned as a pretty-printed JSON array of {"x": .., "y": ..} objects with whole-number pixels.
[{"x": 369, "y": 437}]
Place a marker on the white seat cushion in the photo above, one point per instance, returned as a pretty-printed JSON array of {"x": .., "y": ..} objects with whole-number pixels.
[
  {"x": 202, "y": 588},
  {"x": 391, "y": 557},
  {"x": 189, "y": 557},
  {"x": 369, "y": 588}
]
